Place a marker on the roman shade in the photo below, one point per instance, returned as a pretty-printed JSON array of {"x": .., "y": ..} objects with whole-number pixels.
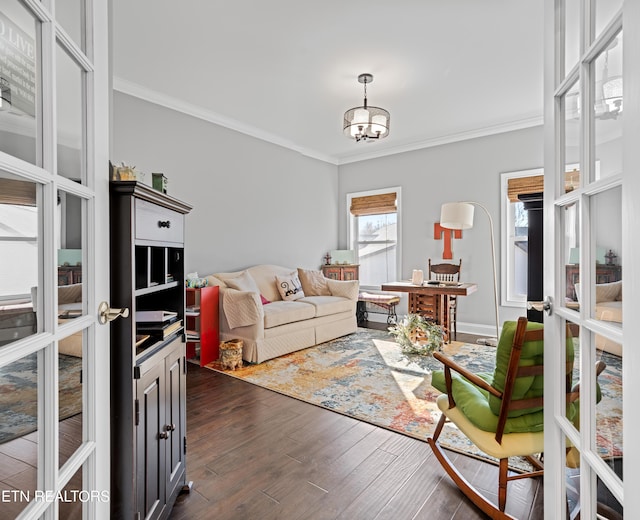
[
  {"x": 17, "y": 193},
  {"x": 535, "y": 184},
  {"x": 374, "y": 204}
]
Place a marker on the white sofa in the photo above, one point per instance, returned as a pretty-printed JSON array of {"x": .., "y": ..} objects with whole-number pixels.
[{"x": 253, "y": 309}]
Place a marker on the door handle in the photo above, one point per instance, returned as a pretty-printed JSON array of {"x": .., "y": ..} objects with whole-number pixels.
[
  {"x": 546, "y": 305},
  {"x": 107, "y": 314}
]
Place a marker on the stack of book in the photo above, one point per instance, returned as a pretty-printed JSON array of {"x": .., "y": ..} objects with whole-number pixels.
[{"x": 158, "y": 324}]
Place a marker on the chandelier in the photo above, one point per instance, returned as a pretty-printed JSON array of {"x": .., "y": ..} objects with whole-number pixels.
[
  {"x": 366, "y": 122},
  {"x": 608, "y": 94}
]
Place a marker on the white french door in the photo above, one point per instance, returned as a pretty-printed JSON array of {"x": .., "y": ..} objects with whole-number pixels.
[
  {"x": 591, "y": 51},
  {"x": 54, "y": 145}
]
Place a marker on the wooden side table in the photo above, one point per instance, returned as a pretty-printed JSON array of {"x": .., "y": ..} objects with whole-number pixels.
[{"x": 341, "y": 271}]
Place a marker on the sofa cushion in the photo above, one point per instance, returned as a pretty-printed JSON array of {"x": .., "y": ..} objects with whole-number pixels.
[
  {"x": 325, "y": 305},
  {"x": 605, "y": 292},
  {"x": 345, "y": 288},
  {"x": 265, "y": 278},
  {"x": 608, "y": 292},
  {"x": 243, "y": 282},
  {"x": 283, "y": 312},
  {"x": 289, "y": 287},
  {"x": 313, "y": 282}
]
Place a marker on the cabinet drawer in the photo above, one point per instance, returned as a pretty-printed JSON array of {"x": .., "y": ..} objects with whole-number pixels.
[{"x": 157, "y": 223}]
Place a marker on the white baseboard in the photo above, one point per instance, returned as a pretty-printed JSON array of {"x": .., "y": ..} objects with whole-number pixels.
[{"x": 477, "y": 328}]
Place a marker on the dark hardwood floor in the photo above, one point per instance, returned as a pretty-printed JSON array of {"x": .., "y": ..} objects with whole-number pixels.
[{"x": 256, "y": 454}]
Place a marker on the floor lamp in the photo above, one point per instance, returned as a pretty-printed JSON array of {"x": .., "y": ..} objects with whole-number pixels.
[{"x": 459, "y": 215}]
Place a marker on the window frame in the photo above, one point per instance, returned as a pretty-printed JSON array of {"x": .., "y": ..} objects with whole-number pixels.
[
  {"x": 352, "y": 227},
  {"x": 508, "y": 296}
]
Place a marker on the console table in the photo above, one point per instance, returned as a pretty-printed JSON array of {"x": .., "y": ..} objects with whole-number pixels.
[
  {"x": 341, "y": 271},
  {"x": 431, "y": 301}
]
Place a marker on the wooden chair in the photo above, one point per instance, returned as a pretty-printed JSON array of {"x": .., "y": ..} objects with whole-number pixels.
[
  {"x": 448, "y": 272},
  {"x": 501, "y": 413}
]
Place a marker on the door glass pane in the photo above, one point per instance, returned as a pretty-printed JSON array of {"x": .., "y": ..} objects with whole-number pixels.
[
  {"x": 606, "y": 224},
  {"x": 70, "y": 245},
  {"x": 608, "y": 109},
  {"x": 604, "y": 502},
  {"x": 605, "y": 11},
  {"x": 74, "y": 495},
  {"x": 609, "y": 441},
  {"x": 19, "y": 258},
  {"x": 18, "y": 434},
  {"x": 573, "y": 372},
  {"x": 572, "y": 34},
  {"x": 572, "y": 111},
  {"x": 571, "y": 255},
  {"x": 19, "y": 81},
  {"x": 70, "y": 395},
  {"x": 70, "y": 120},
  {"x": 70, "y": 15}
]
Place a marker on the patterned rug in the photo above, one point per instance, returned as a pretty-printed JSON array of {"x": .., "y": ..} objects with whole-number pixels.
[
  {"x": 366, "y": 376},
  {"x": 19, "y": 396}
]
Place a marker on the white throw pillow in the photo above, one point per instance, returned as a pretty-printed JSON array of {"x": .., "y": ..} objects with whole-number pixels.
[
  {"x": 290, "y": 287},
  {"x": 244, "y": 282},
  {"x": 313, "y": 282},
  {"x": 608, "y": 292}
]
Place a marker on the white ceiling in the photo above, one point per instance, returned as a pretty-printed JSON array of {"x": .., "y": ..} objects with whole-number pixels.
[{"x": 286, "y": 70}]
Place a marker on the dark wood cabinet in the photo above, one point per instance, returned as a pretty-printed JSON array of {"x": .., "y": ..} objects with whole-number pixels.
[
  {"x": 160, "y": 431},
  {"x": 605, "y": 273},
  {"x": 341, "y": 272},
  {"x": 148, "y": 371}
]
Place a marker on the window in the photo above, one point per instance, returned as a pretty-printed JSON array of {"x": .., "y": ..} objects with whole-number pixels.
[
  {"x": 515, "y": 234},
  {"x": 373, "y": 234},
  {"x": 515, "y": 229}
]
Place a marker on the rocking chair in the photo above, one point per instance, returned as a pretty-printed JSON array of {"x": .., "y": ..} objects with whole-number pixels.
[{"x": 501, "y": 413}]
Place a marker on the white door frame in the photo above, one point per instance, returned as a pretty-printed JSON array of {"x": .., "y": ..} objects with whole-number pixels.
[
  {"x": 555, "y": 425},
  {"x": 93, "y": 455}
]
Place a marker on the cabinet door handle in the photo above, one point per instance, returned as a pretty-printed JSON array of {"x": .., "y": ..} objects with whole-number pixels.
[
  {"x": 164, "y": 223},
  {"x": 163, "y": 435},
  {"x": 170, "y": 427}
]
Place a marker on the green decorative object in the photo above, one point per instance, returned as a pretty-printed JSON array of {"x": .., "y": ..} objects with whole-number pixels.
[
  {"x": 417, "y": 335},
  {"x": 159, "y": 182}
]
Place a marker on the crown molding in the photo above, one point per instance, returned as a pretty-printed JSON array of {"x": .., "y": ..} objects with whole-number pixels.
[
  {"x": 447, "y": 139},
  {"x": 172, "y": 103}
]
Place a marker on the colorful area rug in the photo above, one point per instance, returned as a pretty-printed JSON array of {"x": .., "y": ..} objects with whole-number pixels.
[
  {"x": 19, "y": 395},
  {"x": 366, "y": 376}
]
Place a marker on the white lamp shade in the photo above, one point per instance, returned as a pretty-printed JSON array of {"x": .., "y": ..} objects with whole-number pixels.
[
  {"x": 361, "y": 117},
  {"x": 457, "y": 215},
  {"x": 379, "y": 124}
]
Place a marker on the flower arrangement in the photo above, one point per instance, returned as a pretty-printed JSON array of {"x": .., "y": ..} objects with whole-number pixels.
[{"x": 417, "y": 335}]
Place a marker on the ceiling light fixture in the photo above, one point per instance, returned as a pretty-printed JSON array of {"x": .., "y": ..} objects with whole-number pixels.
[
  {"x": 609, "y": 94},
  {"x": 365, "y": 122}
]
